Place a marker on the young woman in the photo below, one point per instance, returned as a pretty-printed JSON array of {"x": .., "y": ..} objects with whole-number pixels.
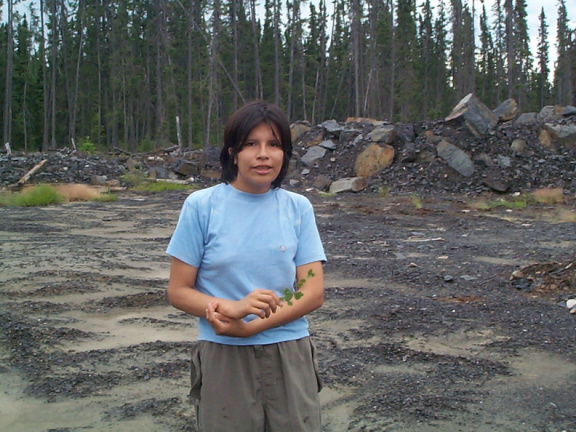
[{"x": 236, "y": 248}]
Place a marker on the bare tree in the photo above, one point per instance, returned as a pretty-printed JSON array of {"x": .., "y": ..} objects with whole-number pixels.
[
  {"x": 508, "y": 7},
  {"x": 255, "y": 34},
  {"x": 9, "y": 70}
]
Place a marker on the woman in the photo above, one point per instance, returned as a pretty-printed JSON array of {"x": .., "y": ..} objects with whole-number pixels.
[{"x": 235, "y": 250}]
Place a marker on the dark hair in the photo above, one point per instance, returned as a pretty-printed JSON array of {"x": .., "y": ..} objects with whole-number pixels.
[{"x": 238, "y": 127}]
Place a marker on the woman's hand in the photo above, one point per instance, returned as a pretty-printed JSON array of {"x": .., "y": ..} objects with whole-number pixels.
[
  {"x": 259, "y": 302},
  {"x": 224, "y": 325}
]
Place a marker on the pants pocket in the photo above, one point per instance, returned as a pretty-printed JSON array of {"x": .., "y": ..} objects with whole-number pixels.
[
  {"x": 315, "y": 363},
  {"x": 195, "y": 372}
]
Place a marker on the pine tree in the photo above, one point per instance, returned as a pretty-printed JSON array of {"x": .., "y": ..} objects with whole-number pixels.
[
  {"x": 426, "y": 52},
  {"x": 487, "y": 79},
  {"x": 405, "y": 54},
  {"x": 523, "y": 60},
  {"x": 542, "y": 75},
  {"x": 562, "y": 81}
]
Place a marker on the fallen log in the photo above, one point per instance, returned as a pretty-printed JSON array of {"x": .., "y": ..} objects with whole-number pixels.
[{"x": 30, "y": 173}]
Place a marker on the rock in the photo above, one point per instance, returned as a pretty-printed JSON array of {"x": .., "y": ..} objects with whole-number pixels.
[
  {"x": 348, "y": 135},
  {"x": 545, "y": 138},
  {"x": 364, "y": 121},
  {"x": 568, "y": 111},
  {"x": 131, "y": 164},
  {"x": 349, "y": 184},
  {"x": 477, "y": 117},
  {"x": 518, "y": 145},
  {"x": 98, "y": 180},
  {"x": 571, "y": 303},
  {"x": 212, "y": 174},
  {"x": 507, "y": 110},
  {"x": 525, "y": 119},
  {"x": 185, "y": 168},
  {"x": 405, "y": 132},
  {"x": 332, "y": 127},
  {"x": 548, "y": 113},
  {"x": 484, "y": 159},
  {"x": 322, "y": 182},
  {"x": 159, "y": 172},
  {"x": 495, "y": 179},
  {"x": 313, "y": 138},
  {"x": 517, "y": 274},
  {"x": 383, "y": 134},
  {"x": 456, "y": 158},
  {"x": 504, "y": 161},
  {"x": 312, "y": 155},
  {"x": 298, "y": 129},
  {"x": 328, "y": 144},
  {"x": 408, "y": 154},
  {"x": 562, "y": 135},
  {"x": 373, "y": 160}
]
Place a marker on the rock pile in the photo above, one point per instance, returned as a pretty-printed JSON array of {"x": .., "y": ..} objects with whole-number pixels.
[{"x": 473, "y": 150}]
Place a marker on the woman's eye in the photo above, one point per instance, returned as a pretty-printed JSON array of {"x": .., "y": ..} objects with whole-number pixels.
[
  {"x": 275, "y": 144},
  {"x": 249, "y": 144}
]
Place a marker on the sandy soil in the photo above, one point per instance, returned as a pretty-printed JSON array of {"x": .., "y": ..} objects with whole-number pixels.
[{"x": 421, "y": 329}]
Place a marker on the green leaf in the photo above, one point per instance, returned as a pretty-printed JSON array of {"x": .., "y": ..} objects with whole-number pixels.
[{"x": 289, "y": 295}]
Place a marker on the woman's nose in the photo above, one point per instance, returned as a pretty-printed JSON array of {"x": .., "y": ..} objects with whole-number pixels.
[{"x": 262, "y": 151}]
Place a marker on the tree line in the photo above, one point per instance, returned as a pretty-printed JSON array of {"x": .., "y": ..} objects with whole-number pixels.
[{"x": 138, "y": 74}]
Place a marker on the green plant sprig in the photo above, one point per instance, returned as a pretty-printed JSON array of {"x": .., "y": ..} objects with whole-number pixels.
[{"x": 296, "y": 295}]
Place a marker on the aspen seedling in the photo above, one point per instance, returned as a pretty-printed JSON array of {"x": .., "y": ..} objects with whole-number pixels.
[{"x": 289, "y": 294}]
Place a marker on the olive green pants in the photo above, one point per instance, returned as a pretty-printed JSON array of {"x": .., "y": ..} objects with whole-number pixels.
[{"x": 256, "y": 388}]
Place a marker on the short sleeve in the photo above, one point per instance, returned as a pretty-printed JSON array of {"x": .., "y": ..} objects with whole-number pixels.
[
  {"x": 310, "y": 247},
  {"x": 187, "y": 242}
]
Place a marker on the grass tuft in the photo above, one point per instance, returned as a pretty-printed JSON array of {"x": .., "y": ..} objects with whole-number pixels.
[
  {"x": 161, "y": 186},
  {"x": 416, "y": 201},
  {"x": 43, "y": 195},
  {"x": 548, "y": 195}
]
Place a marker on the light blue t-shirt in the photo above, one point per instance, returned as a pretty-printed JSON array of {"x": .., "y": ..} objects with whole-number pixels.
[{"x": 240, "y": 242}]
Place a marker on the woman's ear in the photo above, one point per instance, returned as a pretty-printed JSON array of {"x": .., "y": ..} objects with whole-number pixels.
[{"x": 235, "y": 158}]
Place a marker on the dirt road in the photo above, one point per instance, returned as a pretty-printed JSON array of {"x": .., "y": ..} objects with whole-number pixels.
[{"x": 421, "y": 328}]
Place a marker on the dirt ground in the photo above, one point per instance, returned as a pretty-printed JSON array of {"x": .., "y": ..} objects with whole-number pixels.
[{"x": 422, "y": 328}]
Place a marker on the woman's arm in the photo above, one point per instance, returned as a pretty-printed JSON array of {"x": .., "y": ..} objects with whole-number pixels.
[
  {"x": 313, "y": 290},
  {"x": 183, "y": 295}
]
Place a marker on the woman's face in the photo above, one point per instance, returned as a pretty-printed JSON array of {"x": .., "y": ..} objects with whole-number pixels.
[{"x": 259, "y": 161}]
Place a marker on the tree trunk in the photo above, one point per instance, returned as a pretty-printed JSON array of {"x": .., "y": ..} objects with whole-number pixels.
[
  {"x": 46, "y": 109},
  {"x": 54, "y": 74},
  {"x": 510, "y": 46},
  {"x": 8, "y": 90},
  {"x": 258, "y": 72},
  {"x": 277, "y": 49},
  {"x": 74, "y": 107}
]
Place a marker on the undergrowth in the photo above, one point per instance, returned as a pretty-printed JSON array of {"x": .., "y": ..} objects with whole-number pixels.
[
  {"x": 160, "y": 186},
  {"x": 43, "y": 195}
]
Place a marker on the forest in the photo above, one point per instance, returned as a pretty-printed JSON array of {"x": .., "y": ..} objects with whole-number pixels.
[{"x": 135, "y": 75}]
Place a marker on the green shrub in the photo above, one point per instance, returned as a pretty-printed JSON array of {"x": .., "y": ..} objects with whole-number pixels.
[
  {"x": 107, "y": 197},
  {"x": 42, "y": 195},
  {"x": 133, "y": 179},
  {"x": 85, "y": 145},
  {"x": 161, "y": 186}
]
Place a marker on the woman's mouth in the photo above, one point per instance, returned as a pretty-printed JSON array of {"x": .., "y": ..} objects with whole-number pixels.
[{"x": 262, "y": 169}]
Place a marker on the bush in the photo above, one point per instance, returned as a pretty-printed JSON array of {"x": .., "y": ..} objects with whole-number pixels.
[
  {"x": 161, "y": 186},
  {"x": 42, "y": 195}
]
